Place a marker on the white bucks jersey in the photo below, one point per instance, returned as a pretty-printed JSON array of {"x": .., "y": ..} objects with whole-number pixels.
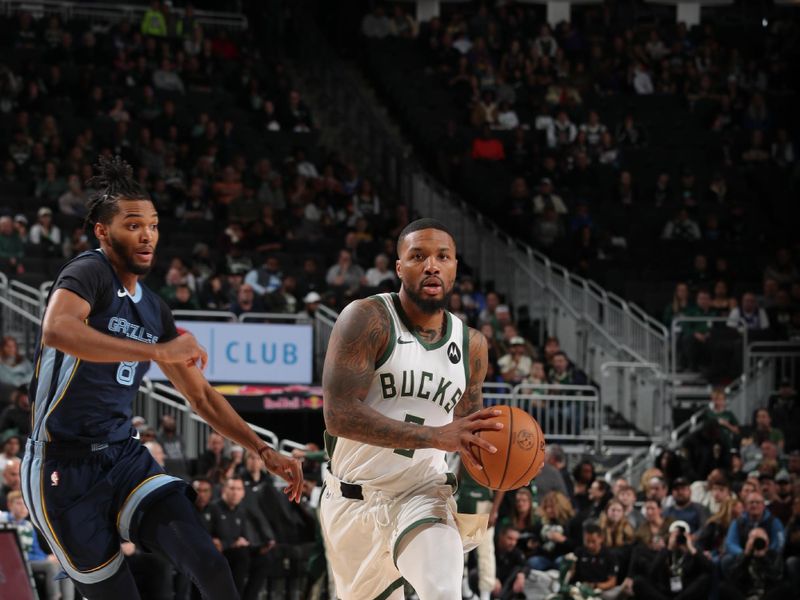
[{"x": 414, "y": 382}]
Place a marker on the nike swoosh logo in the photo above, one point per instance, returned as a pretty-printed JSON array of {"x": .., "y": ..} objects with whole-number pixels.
[
  {"x": 402, "y": 341},
  {"x": 137, "y": 436},
  {"x": 122, "y": 293}
]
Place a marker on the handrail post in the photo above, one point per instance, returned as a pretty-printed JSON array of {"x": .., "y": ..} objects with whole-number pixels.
[{"x": 598, "y": 417}]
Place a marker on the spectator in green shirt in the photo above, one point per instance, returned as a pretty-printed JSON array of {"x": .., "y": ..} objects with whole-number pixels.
[
  {"x": 11, "y": 248},
  {"x": 719, "y": 412},
  {"x": 763, "y": 429},
  {"x": 696, "y": 334},
  {"x": 153, "y": 21}
]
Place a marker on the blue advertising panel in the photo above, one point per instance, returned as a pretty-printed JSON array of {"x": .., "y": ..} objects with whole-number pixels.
[{"x": 252, "y": 352}]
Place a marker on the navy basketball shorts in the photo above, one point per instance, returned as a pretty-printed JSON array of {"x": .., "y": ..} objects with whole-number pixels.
[{"x": 86, "y": 499}]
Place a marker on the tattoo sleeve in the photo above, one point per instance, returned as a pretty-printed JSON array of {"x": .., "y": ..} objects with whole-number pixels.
[
  {"x": 359, "y": 336},
  {"x": 472, "y": 401}
]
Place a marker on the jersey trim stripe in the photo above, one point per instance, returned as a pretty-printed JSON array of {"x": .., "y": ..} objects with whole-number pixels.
[
  {"x": 68, "y": 371},
  {"x": 409, "y": 529},
  {"x": 135, "y": 498},
  {"x": 43, "y": 384},
  {"x": 393, "y": 333},
  {"x": 448, "y": 326},
  {"x": 392, "y": 587}
]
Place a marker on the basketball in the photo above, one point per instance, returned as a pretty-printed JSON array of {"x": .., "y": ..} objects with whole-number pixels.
[{"x": 520, "y": 451}]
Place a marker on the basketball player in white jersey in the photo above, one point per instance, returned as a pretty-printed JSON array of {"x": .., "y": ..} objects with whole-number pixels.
[{"x": 402, "y": 386}]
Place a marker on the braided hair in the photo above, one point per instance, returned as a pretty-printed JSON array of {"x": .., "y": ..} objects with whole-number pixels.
[{"x": 114, "y": 183}]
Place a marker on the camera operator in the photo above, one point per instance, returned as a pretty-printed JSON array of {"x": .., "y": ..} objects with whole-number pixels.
[
  {"x": 756, "y": 515},
  {"x": 679, "y": 571},
  {"x": 757, "y": 572}
]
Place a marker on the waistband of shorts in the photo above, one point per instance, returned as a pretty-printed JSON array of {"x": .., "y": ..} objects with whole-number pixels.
[
  {"x": 355, "y": 491},
  {"x": 69, "y": 449}
]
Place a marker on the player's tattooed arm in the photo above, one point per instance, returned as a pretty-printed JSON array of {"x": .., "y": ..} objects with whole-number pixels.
[
  {"x": 360, "y": 335},
  {"x": 472, "y": 400}
]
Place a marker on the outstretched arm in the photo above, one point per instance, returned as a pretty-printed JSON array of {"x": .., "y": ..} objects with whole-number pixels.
[
  {"x": 359, "y": 337},
  {"x": 64, "y": 328},
  {"x": 215, "y": 409}
]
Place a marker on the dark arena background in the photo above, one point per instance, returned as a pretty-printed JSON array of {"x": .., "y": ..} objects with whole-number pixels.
[{"x": 623, "y": 183}]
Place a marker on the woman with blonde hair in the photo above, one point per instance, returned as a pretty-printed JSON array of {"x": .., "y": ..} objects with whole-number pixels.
[
  {"x": 618, "y": 533},
  {"x": 711, "y": 537},
  {"x": 556, "y": 535},
  {"x": 680, "y": 303}
]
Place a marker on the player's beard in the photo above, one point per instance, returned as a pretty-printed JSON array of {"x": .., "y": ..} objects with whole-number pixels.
[
  {"x": 127, "y": 256},
  {"x": 429, "y": 306}
]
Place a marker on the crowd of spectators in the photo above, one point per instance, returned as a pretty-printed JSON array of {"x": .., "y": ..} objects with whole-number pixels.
[
  {"x": 717, "y": 517},
  {"x": 623, "y": 150},
  {"x": 253, "y": 212},
  {"x": 710, "y": 322}
]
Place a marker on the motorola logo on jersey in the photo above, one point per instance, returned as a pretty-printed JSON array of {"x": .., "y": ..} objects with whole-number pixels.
[{"x": 453, "y": 353}]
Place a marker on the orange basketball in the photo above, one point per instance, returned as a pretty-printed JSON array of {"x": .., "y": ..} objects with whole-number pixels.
[{"x": 520, "y": 451}]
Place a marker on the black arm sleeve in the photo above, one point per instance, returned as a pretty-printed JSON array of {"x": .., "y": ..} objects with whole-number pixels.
[
  {"x": 90, "y": 278},
  {"x": 168, "y": 328}
]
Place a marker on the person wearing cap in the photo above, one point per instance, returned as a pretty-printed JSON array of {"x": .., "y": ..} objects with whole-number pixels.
[
  {"x": 683, "y": 509},
  {"x": 44, "y": 232},
  {"x": 783, "y": 497},
  {"x": 678, "y": 570},
  {"x": 21, "y": 225},
  {"x": 547, "y": 199},
  {"x": 516, "y": 365},
  {"x": 311, "y": 303}
]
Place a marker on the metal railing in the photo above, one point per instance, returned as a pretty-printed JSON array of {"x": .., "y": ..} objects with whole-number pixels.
[
  {"x": 782, "y": 356},
  {"x": 633, "y": 467},
  {"x": 21, "y": 309},
  {"x": 155, "y": 400},
  {"x": 567, "y": 413},
  {"x": 676, "y": 331},
  {"x": 766, "y": 364},
  {"x": 113, "y": 12}
]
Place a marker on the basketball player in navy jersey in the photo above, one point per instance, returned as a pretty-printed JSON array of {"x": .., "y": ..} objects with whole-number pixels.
[{"x": 86, "y": 479}]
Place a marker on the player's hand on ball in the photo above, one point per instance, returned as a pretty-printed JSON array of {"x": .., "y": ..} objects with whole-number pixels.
[
  {"x": 286, "y": 468},
  {"x": 459, "y": 435},
  {"x": 185, "y": 349}
]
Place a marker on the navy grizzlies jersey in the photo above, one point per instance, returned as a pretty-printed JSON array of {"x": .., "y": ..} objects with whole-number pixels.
[{"x": 74, "y": 400}]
